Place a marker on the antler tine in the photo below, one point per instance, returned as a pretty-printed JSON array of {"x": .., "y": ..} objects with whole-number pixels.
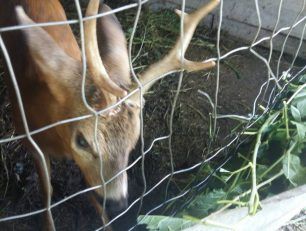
[
  {"x": 190, "y": 23},
  {"x": 94, "y": 61},
  {"x": 172, "y": 61}
]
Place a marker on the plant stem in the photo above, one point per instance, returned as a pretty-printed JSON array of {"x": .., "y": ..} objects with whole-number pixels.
[
  {"x": 243, "y": 168},
  {"x": 247, "y": 192},
  {"x": 232, "y": 202},
  {"x": 254, "y": 197},
  {"x": 296, "y": 93},
  {"x": 249, "y": 133},
  {"x": 271, "y": 167},
  {"x": 288, "y": 153},
  {"x": 286, "y": 119},
  {"x": 238, "y": 172}
]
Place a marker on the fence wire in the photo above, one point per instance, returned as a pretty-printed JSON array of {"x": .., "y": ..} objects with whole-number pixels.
[{"x": 273, "y": 78}]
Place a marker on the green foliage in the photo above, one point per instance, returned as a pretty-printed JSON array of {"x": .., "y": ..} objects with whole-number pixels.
[
  {"x": 274, "y": 148},
  {"x": 203, "y": 204},
  {"x": 164, "y": 223},
  {"x": 293, "y": 170},
  {"x": 296, "y": 114}
]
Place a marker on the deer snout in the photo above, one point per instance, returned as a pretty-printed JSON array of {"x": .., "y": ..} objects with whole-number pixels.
[{"x": 115, "y": 207}]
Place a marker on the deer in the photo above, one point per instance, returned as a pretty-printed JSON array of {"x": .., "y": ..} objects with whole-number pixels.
[{"x": 47, "y": 65}]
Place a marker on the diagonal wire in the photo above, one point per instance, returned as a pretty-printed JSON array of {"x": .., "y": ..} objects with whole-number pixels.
[
  {"x": 271, "y": 45},
  {"x": 228, "y": 54},
  {"x": 69, "y": 22},
  {"x": 30, "y": 133},
  {"x": 287, "y": 36}
]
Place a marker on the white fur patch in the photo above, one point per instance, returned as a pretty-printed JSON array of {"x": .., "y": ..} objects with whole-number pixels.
[{"x": 118, "y": 189}]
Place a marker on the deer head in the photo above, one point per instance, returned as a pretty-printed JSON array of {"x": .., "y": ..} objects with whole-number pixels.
[
  {"x": 108, "y": 79},
  {"x": 117, "y": 132}
]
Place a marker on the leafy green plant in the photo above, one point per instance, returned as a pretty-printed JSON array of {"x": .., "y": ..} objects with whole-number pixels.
[
  {"x": 203, "y": 204},
  {"x": 164, "y": 223},
  {"x": 271, "y": 154},
  {"x": 271, "y": 159}
]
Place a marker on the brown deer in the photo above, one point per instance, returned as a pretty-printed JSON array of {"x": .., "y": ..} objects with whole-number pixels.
[{"x": 48, "y": 68}]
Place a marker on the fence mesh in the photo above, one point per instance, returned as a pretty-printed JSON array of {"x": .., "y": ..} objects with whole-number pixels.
[{"x": 213, "y": 108}]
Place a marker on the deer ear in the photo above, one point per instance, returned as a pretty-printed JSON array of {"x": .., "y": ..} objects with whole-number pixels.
[
  {"x": 113, "y": 48},
  {"x": 47, "y": 55}
]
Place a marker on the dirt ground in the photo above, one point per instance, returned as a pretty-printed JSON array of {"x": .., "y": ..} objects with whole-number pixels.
[{"x": 240, "y": 79}]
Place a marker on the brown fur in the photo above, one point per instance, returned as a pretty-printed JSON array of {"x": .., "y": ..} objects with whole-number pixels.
[{"x": 48, "y": 70}]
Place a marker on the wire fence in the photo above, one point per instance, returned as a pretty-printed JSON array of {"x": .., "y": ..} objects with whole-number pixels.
[{"x": 267, "y": 94}]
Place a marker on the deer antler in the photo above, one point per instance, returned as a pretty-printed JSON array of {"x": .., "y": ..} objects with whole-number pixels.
[
  {"x": 94, "y": 61},
  {"x": 172, "y": 61}
]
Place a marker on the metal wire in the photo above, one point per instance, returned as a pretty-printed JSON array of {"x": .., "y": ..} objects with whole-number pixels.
[
  {"x": 95, "y": 114},
  {"x": 42, "y": 159},
  {"x": 287, "y": 36},
  {"x": 176, "y": 96},
  {"x": 226, "y": 55},
  {"x": 271, "y": 46},
  {"x": 215, "y": 110}
]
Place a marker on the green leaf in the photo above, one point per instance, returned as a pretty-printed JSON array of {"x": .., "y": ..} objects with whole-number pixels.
[
  {"x": 300, "y": 147},
  {"x": 204, "y": 203},
  {"x": 301, "y": 96},
  {"x": 293, "y": 170},
  {"x": 261, "y": 169},
  {"x": 263, "y": 149},
  {"x": 296, "y": 114},
  {"x": 301, "y": 129},
  {"x": 301, "y": 106},
  {"x": 164, "y": 223},
  {"x": 302, "y": 79}
]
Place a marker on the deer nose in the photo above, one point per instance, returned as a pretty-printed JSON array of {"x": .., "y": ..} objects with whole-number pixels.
[{"x": 115, "y": 207}]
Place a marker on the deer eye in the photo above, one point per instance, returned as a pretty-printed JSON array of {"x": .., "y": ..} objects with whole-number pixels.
[{"x": 81, "y": 141}]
